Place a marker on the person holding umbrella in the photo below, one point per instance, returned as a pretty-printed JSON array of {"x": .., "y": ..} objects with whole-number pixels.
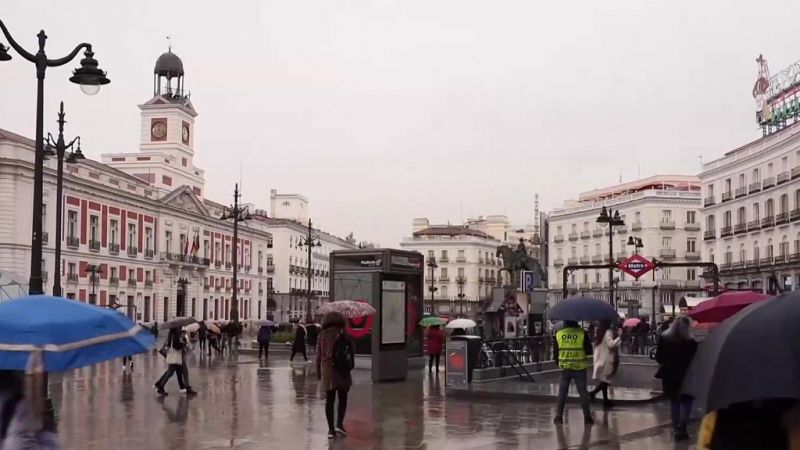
[
  {"x": 674, "y": 354},
  {"x": 335, "y": 358},
  {"x": 606, "y": 359},
  {"x": 175, "y": 346},
  {"x": 299, "y": 344},
  {"x": 571, "y": 346},
  {"x": 202, "y": 336}
]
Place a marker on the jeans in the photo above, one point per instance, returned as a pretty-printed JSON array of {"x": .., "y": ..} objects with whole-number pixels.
[
  {"x": 329, "y": 399},
  {"x": 681, "y": 409},
  {"x": 567, "y": 376},
  {"x": 263, "y": 349},
  {"x": 176, "y": 369},
  {"x": 431, "y": 359}
]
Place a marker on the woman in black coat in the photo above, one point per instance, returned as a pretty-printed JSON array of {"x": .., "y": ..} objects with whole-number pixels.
[
  {"x": 299, "y": 345},
  {"x": 674, "y": 353}
]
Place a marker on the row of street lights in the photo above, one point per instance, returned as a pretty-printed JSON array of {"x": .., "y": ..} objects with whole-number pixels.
[{"x": 90, "y": 78}]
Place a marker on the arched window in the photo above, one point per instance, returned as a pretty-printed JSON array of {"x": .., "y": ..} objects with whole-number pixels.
[
  {"x": 783, "y": 250},
  {"x": 756, "y": 212},
  {"x": 727, "y": 222},
  {"x": 784, "y": 204},
  {"x": 756, "y": 252},
  {"x": 710, "y": 224},
  {"x": 769, "y": 250},
  {"x": 769, "y": 208},
  {"x": 742, "y": 253},
  {"x": 741, "y": 216},
  {"x": 728, "y": 255}
]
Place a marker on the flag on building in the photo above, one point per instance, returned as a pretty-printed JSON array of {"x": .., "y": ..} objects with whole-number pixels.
[{"x": 196, "y": 244}]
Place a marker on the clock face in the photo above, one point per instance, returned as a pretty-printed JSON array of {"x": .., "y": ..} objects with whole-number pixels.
[
  {"x": 185, "y": 134},
  {"x": 159, "y": 130}
]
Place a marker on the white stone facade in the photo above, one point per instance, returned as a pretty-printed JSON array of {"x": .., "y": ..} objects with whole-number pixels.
[
  {"x": 466, "y": 264},
  {"x": 751, "y": 212},
  {"x": 663, "y": 211}
]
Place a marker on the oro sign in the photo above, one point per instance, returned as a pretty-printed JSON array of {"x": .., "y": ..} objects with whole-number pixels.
[{"x": 636, "y": 266}]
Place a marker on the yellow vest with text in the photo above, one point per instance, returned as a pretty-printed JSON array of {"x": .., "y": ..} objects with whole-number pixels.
[{"x": 571, "y": 354}]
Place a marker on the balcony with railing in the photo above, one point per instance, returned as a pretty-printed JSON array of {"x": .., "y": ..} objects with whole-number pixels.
[
  {"x": 636, "y": 226},
  {"x": 597, "y": 232},
  {"x": 218, "y": 264},
  {"x": 795, "y": 172},
  {"x": 558, "y": 262},
  {"x": 709, "y": 201},
  {"x": 709, "y": 235},
  {"x": 783, "y": 177},
  {"x": 228, "y": 266},
  {"x": 794, "y": 214},
  {"x": 131, "y": 282},
  {"x": 782, "y": 218},
  {"x": 726, "y": 231},
  {"x": 179, "y": 259},
  {"x": 727, "y": 196},
  {"x": 148, "y": 283},
  {"x": 558, "y": 238},
  {"x": 585, "y": 259},
  {"x": 740, "y": 192},
  {"x": 667, "y": 253},
  {"x": 132, "y": 251},
  {"x": 444, "y": 278},
  {"x": 619, "y": 257},
  {"x": 692, "y": 256},
  {"x": 768, "y": 182},
  {"x": 754, "y": 225},
  {"x": 573, "y": 236},
  {"x": 691, "y": 226},
  {"x": 461, "y": 259},
  {"x": 94, "y": 245},
  {"x": 149, "y": 253},
  {"x": 740, "y": 228},
  {"x": 113, "y": 281},
  {"x": 768, "y": 222},
  {"x": 444, "y": 258},
  {"x": 754, "y": 187},
  {"x": 585, "y": 235},
  {"x": 572, "y": 261},
  {"x": 725, "y": 267},
  {"x": 73, "y": 242},
  {"x": 206, "y": 286},
  {"x": 72, "y": 278},
  {"x": 597, "y": 258},
  {"x": 667, "y": 224},
  {"x": 765, "y": 262},
  {"x": 113, "y": 249}
]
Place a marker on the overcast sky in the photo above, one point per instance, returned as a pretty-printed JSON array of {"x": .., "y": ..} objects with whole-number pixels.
[{"x": 382, "y": 111}]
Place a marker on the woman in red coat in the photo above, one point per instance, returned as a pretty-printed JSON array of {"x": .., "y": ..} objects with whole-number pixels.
[{"x": 434, "y": 346}]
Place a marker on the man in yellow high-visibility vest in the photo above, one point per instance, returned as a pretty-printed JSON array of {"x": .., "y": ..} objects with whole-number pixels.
[{"x": 571, "y": 347}]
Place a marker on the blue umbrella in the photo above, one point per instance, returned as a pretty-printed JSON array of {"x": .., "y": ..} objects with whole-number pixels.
[
  {"x": 582, "y": 308},
  {"x": 52, "y": 334}
]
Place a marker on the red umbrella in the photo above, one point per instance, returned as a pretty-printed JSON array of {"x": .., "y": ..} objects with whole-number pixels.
[
  {"x": 725, "y": 305},
  {"x": 630, "y": 323}
]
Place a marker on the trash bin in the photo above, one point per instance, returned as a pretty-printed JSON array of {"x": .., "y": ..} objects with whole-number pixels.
[{"x": 473, "y": 351}]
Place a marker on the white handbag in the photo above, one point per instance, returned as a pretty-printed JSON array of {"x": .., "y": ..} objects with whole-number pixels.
[{"x": 174, "y": 356}]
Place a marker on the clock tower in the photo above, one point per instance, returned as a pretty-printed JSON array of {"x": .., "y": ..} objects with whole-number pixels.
[{"x": 166, "y": 149}]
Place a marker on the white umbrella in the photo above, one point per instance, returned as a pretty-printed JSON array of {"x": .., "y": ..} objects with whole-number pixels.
[
  {"x": 212, "y": 327},
  {"x": 178, "y": 322},
  {"x": 461, "y": 323},
  {"x": 191, "y": 328}
]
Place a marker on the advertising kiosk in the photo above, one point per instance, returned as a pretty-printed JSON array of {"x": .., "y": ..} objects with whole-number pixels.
[{"x": 392, "y": 282}]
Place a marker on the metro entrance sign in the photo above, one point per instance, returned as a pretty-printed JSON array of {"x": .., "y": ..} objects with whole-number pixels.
[{"x": 636, "y": 266}]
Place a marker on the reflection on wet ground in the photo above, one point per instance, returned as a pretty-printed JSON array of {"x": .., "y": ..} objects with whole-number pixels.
[{"x": 245, "y": 405}]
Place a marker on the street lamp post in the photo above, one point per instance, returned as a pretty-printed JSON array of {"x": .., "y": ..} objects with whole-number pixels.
[
  {"x": 90, "y": 78},
  {"x": 460, "y": 281},
  {"x": 74, "y": 156},
  {"x": 432, "y": 288},
  {"x": 309, "y": 241},
  {"x": 636, "y": 243},
  {"x": 238, "y": 214},
  {"x": 93, "y": 270},
  {"x": 613, "y": 219}
]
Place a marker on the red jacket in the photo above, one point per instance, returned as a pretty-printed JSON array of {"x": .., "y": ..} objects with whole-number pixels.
[{"x": 434, "y": 341}]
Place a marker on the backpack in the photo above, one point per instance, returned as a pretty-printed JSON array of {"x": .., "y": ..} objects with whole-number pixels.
[{"x": 343, "y": 360}]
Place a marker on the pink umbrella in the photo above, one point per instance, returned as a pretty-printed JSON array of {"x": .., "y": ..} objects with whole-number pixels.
[
  {"x": 726, "y": 305},
  {"x": 630, "y": 323}
]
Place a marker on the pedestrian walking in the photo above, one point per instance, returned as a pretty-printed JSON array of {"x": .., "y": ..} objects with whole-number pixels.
[
  {"x": 606, "y": 359},
  {"x": 335, "y": 358},
  {"x": 571, "y": 347},
  {"x": 674, "y": 353},
  {"x": 435, "y": 338},
  {"x": 299, "y": 344},
  {"x": 18, "y": 427},
  {"x": 264, "y": 336},
  {"x": 175, "y": 363},
  {"x": 127, "y": 364},
  {"x": 202, "y": 336},
  {"x": 761, "y": 424}
]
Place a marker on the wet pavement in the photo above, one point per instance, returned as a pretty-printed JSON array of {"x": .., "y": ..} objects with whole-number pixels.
[{"x": 244, "y": 405}]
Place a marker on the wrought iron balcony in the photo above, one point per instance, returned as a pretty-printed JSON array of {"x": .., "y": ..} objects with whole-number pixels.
[
  {"x": 667, "y": 224},
  {"x": 636, "y": 226},
  {"x": 444, "y": 259},
  {"x": 585, "y": 235},
  {"x": 753, "y": 225},
  {"x": 572, "y": 261},
  {"x": 597, "y": 232},
  {"x": 131, "y": 282},
  {"x": 768, "y": 222},
  {"x": 113, "y": 249},
  {"x": 558, "y": 238},
  {"x": 691, "y": 226},
  {"x": 72, "y": 278},
  {"x": 795, "y": 172},
  {"x": 585, "y": 260},
  {"x": 693, "y": 256},
  {"x": 740, "y": 192},
  {"x": 113, "y": 281},
  {"x": 740, "y": 228},
  {"x": 148, "y": 253},
  {"x": 94, "y": 245},
  {"x": 573, "y": 236},
  {"x": 709, "y": 201},
  {"x": 73, "y": 242},
  {"x": 726, "y": 231},
  {"x": 783, "y": 177},
  {"x": 782, "y": 218},
  {"x": 461, "y": 259},
  {"x": 709, "y": 235},
  {"x": 148, "y": 283},
  {"x": 754, "y": 187},
  {"x": 768, "y": 182},
  {"x": 558, "y": 262},
  {"x": 794, "y": 215},
  {"x": 132, "y": 251},
  {"x": 727, "y": 196},
  {"x": 597, "y": 258},
  {"x": 667, "y": 253}
]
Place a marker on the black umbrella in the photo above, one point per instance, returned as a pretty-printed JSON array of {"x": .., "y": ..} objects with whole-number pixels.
[
  {"x": 178, "y": 322},
  {"x": 582, "y": 308},
  {"x": 753, "y": 355}
]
